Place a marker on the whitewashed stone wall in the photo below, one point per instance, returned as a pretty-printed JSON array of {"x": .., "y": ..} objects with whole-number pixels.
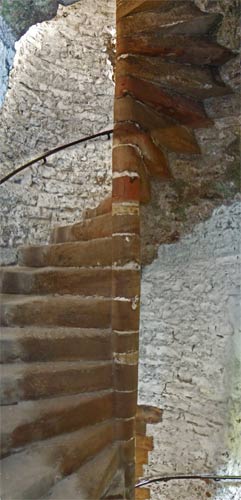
[
  {"x": 60, "y": 90},
  {"x": 190, "y": 355}
]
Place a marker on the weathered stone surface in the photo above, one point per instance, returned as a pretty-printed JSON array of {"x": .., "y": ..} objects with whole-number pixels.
[
  {"x": 163, "y": 130},
  {"x": 154, "y": 159},
  {"x": 190, "y": 356},
  {"x": 126, "y": 223},
  {"x": 126, "y": 188},
  {"x": 185, "y": 19},
  {"x": 125, "y": 342},
  {"x": 79, "y": 254},
  {"x": 53, "y": 460},
  {"x": 54, "y": 344},
  {"x": 130, "y": 159},
  {"x": 81, "y": 484},
  {"x": 125, "y": 283},
  {"x": 186, "y": 111},
  {"x": 72, "y": 281},
  {"x": 38, "y": 420},
  {"x": 192, "y": 81},
  {"x": 125, "y": 404},
  {"x": 60, "y": 89},
  {"x": 98, "y": 227},
  {"x": 23, "y": 382},
  {"x": 125, "y": 315},
  {"x": 126, "y": 377},
  {"x": 103, "y": 208},
  {"x": 72, "y": 311},
  {"x": 183, "y": 49}
]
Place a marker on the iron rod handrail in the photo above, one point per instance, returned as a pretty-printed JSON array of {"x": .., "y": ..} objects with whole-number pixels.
[
  {"x": 171, "y": 477},
  {"x": 43, "y": 156}
]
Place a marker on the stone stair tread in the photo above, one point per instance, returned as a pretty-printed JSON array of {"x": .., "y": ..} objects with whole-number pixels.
[
  {"x": 30, "y": 474},
  {"x": 30, "y": 381},
  {"x": 83, "y": 484},
  {"x": 91, "y": 253},
  {"x": 56, "y": 280},
  {"x": 92, "y": 228},
  {"x": 105, "y": 206},
  {"x": 53, "y": 344},
  {"x": 30, "y": 421},
  {"x": 55, "y": 310}
]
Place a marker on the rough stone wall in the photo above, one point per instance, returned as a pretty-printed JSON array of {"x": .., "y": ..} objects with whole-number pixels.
[
  {"x": 60, "y": 90},
  {"x": 190, "y": 357}
]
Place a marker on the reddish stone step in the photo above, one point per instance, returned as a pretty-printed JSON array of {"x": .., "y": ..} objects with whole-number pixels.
[
  {"x": 93, "y": 253},
  {"x": 171, "y": 11},
  {"x": 97, "y": 227},
  {"x": 193, "y": 81},
  {"x": 187, "y": 20},
  {"x": 186, "y": 111},
  {"x": 91, "y": 480},
  {"x": 175, "y": 47},
  {"x": 30, "y": 421},
  {"x": 163, "y": 129},
  {"x": 58, "y": 280},
  {"x": 32, "y": 473},
  {"x": 54, "y": 344},
  {"x": 31, "y": 381},
  {"x": 103, "y": 208},
  {"x": 70, "y": 311}
]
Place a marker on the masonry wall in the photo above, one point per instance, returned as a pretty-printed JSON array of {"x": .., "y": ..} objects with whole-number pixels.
[
  {"x": 190, "y": 356},
  {"x": 60, "y": 90}
]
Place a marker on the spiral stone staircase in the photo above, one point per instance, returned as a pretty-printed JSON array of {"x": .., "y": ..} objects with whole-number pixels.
[{"x": 70, "y": 309}]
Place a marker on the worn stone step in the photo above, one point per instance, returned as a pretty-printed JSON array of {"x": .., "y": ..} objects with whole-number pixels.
[
  {"x": 171, "y": 12},
  {"x": 179, "y": 48},
  {"x": 91, "y": 480},
  {"x": 189, "y": 80},
  {"x": 172, "y": 22},
  {"x": 54, "y": 344},
  {"x": 71, "y": 311},
  {"x": 104, "y": 207},
  {"x": 116, "y": 489},
  {"x": 30, "y": 421},
  {"x": 96, "y": 227},
  {"x": 91, "y": 253},
  {"x": 58, "y": 280},
  {"x": 31, "y": 381},
  {"x": 31, "y": 474}
]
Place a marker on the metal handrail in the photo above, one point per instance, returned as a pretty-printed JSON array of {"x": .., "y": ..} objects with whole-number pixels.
[
  {"x": 43, "y": 156},
  {"x": 173, "y": 477}
]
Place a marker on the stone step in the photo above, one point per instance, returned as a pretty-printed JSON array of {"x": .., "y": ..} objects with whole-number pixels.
[
  {"x": 31, "y": 381},
  {"x": 30, "y": 421},
  {"x": 91, "y": 480},
  {"x": 31, "y": 344},
  {"x": 66, "y": 311},
  {"x": 91, "y": 253},
  {"x": 31, "y": 474},
  {"x": 163, "y": 23},
  {"x": 116, "y": 489},
  {"x": 103, "y": 208},
  {"x": 96, "y": 227},
  {"x": 60, "y": 280}
]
